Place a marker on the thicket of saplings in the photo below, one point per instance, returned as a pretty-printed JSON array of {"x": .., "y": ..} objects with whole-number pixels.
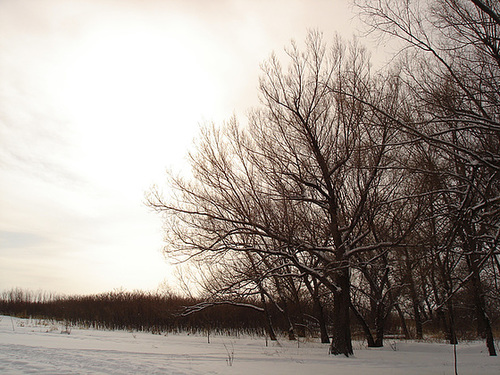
[{"x": 162, "y": 313}]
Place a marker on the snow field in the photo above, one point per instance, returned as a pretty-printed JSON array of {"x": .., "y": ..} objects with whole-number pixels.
[{"x": 38, "y": 347}]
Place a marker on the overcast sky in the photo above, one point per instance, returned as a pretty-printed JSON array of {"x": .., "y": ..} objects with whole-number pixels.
[{"x": 97, "y": 100}]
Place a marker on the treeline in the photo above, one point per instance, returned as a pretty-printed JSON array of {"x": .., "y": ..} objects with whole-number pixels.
[
  {"x": 168, "y": 313},
  {"x": 137, "y": 310},
  {"x": 371, "y": 194}
]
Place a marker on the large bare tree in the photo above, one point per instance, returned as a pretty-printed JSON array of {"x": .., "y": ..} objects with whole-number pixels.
[{"x": 308, "y": 181}]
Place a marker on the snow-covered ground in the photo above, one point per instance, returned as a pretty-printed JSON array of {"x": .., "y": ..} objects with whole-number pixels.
[{"x": 39, "y": 347}]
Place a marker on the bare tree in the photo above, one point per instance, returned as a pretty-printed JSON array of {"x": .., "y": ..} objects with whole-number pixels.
[
  {"x": 297, "y": 183},
  {"x": 451, "y": 64}
]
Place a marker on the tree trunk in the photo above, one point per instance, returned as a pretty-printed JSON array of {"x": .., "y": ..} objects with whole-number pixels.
[
  {"x": 341, "y": 338},
  {"x": 325, "y": 339},
  {"x": 318, "y": 309},
  {"x": 269, "y": 327},
  {"x": 414, "y": 297},
  {"x": 300, "y": 327},
  {"x": 483, "y": 321},
  {"x": 286, "y": 313},
  {"x": 452, "y": 335},
  {"x": 418, "y": 319},
  {"x": 291, "y": 332},
  {"x": 404, "y": 327},
  {"x": 269, "y": 324},
  {"x": 379, "y": 326},
  {"x": 366, "y": 329}
]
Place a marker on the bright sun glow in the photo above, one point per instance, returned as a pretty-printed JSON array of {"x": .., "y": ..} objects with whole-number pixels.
[{"x": 135, "y": 83}]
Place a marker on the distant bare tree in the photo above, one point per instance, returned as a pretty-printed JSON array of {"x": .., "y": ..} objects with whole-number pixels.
[{"x": 451, "y": 69}]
